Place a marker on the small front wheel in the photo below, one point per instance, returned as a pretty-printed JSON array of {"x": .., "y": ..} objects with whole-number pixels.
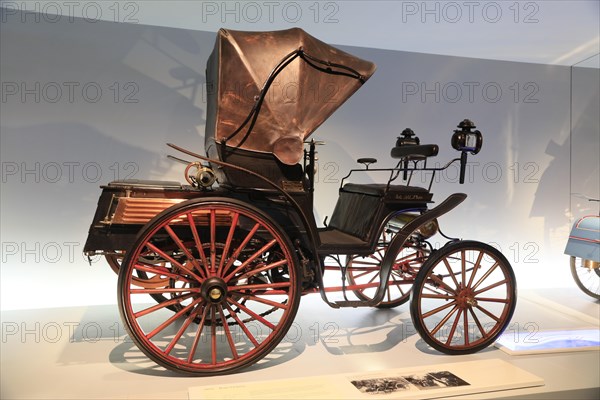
[{"x": 463, "y": 297}]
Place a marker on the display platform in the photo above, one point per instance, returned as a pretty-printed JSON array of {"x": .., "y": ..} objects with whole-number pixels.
[{"x": 83, "y": 352}]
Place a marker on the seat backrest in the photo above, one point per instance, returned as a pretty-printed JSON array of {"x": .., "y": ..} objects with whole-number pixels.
[{"x": 415, "y": 151}]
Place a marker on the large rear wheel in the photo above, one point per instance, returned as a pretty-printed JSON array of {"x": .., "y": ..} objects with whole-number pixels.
[
  {"x": 233, "y": 279},
  {"x": 463, "y": 298}
]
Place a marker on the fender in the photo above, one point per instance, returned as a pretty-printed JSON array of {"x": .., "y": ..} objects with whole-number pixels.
[{"x": 397, "y": 243}]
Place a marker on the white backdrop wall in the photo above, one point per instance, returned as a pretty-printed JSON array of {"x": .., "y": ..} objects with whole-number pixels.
[{"x": 85, "y": 103}]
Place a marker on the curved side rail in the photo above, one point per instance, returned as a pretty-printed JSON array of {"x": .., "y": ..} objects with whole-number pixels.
[{"x": 419, "y": 150}]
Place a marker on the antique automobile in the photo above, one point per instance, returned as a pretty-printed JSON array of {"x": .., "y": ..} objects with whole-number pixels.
[
  {"x": 211, "y": 272},
  {"x": 584, "y": 248}
]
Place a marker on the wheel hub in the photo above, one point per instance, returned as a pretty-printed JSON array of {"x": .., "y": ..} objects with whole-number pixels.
[
  {"x": 214, "y": 290},
  {"x": 466, "y": 298}
]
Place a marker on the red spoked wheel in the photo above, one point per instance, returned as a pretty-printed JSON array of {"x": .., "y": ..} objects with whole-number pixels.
[
  {"x": 233, "y": 292},
  {"x": 116, "y": 259},
  {"x": 463, "y": 297},
  {"x": 366, "y": 270}
]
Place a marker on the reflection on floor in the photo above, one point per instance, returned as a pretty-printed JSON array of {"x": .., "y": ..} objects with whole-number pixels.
[{"x": 83, "y": 352}]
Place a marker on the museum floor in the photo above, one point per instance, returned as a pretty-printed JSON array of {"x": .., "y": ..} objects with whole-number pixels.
[{"x": 82, "y": 352}]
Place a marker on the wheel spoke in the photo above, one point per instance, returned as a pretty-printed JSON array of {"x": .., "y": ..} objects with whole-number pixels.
[
  {"x": 213, "y": 335},
  {"x": 443, "y": 321},
  {"x": 485, "y": 289},
  {"x": 181, "y": 330},
  {"x": 363, "y": 274},
  {"x": 439, "y": 284},
  {"x": 449, "y": 268},
  {"x": 257, "y": 271},
  {"x": 241, "y": 247},
  {"x": 242, "y": 325},
  {"x": 258, "y": 286},
  {"x": 493, "y": 300},
  {"x": 475, "y": 268},
  {"x": 182, "y": 247},
  {"x": 252, "y": 314},
  {"x": 463, "y": 267},
  {"x": 362, "y": 261},
  {"x": 267, "y": 302},
  {"x": 454, "y": 325},
  {"x": 485, "y": 276},
  {"x": 198, "y": 333},
  {"x": 234, "y": 221},
  {"x": 228, "y": 334},
  {"x": 173, "y": 318},
  {"x": 437, "y": 296},
  {"x": 438, "y": 309},
  {"x": 164, "y": 290},
  {"x": 488, "y": 313},
  {"x": 198, "y": 242},
  {"x": 175, "y": 300},
  {"x": 466, "y": 326},
  {"x": 173, "y": 261},
  {"x": 160, "y": 271},
  {"x": 479, "y": 326},
  {"x": 250, "y": 259}
]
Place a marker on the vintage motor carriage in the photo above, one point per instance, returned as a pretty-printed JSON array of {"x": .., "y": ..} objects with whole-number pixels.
[{"x": 211, "y": 272}]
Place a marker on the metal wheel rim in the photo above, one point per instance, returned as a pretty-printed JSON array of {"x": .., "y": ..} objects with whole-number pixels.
[
  {"x": 451, "y": 297},
  {"x": 182, "y": 348}
]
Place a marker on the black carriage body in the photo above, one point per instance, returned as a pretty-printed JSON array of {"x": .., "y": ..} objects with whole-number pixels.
[{"x": 360, "y": 214}]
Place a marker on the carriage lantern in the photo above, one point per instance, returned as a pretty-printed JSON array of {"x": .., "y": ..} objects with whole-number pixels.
[
  {"x": 466, "y": 140},
  {"x": 408, "y": 138}
]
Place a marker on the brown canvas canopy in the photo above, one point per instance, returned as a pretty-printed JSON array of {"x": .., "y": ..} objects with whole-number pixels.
[{"x": 268, "y": 91}]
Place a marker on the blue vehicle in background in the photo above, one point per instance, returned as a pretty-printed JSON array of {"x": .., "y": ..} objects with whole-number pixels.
[{"x": 584, "y": 248}]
